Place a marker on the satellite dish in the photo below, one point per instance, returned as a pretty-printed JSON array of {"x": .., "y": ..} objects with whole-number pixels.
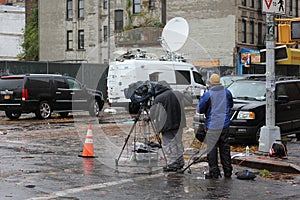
[{"x": 175, "y": 34}]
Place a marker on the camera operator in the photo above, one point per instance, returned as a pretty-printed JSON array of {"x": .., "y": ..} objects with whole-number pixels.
[{"x": 167, "y": 113}]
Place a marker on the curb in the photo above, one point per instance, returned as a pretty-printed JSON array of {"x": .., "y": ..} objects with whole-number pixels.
[{"x": 268, "y": 163}]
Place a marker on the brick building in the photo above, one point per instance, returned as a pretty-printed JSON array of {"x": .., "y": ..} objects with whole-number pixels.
[{"x": 221, "y": 32}]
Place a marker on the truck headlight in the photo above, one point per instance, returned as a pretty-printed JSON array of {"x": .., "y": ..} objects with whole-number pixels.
[{"x": 246, "y": 115}]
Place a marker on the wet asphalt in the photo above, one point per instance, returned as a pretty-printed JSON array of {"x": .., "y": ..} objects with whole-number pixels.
[{"x": 39, "y": 160}]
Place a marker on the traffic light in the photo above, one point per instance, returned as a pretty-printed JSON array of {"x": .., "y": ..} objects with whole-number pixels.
[
  {"x": 295, "y": 31},
  {"x": 288, "y": 31},
  {"x": 284, "y": 33}
]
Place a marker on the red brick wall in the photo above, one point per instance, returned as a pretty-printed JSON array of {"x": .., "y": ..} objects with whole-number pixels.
[{"x": 29, "y": 4}]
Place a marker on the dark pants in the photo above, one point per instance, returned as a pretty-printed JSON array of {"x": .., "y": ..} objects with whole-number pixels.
[
  {"x": 218, "y": 140},
  {"x": 173, "y": 147}
]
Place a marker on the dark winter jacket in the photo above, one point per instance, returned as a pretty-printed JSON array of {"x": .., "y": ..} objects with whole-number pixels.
[
  {"x": 168, "y": 108},
  {"x": 216, "y": 104}
]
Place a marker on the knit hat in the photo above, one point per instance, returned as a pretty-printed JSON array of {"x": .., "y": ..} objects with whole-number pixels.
[{"x": 214, "y": 79}]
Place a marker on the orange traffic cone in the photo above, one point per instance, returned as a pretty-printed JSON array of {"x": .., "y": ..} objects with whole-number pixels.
[{"x": 88, "y": 149}]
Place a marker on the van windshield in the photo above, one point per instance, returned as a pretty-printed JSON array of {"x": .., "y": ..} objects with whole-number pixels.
[{"x": 198, "y": 78}]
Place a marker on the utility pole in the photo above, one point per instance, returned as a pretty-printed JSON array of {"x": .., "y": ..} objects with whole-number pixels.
[
  {"x": 108, "y": 31},
  {"x": 269, "y": 133}
]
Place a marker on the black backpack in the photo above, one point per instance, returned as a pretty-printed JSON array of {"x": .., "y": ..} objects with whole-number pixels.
[{"x": 245, "y": 175}]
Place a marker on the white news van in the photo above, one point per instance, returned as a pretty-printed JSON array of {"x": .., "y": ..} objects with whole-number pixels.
[
  {"x": 182, "y": 76},
  {"x": 132, "y": 67}
]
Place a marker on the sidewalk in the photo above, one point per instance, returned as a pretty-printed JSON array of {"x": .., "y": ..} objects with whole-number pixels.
[{"x": 291, "y": 164}]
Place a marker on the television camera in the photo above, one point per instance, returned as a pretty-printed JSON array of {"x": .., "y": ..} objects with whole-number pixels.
[{"x": 140, "y": 92}]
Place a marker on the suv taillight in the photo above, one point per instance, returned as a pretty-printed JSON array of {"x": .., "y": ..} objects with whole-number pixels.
[{"x": 24, "y": 94}]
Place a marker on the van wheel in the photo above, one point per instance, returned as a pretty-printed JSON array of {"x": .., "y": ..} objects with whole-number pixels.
[
  {"x": 13, "y": 114},
  {"x": 44, "y": 110},
  {"x": 94, "y": 108},
  {"x": 134, "y": 108},
  {"x": 64, "y": 114}
]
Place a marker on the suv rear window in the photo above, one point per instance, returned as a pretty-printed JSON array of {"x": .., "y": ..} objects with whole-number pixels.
[{"x": 11, "y": 83}]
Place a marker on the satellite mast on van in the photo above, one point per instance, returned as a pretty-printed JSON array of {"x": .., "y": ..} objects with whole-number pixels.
[{"x": 174, "y": 36}]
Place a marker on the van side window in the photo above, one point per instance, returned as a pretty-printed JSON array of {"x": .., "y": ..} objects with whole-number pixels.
[
  {"x": 183, "y": 77},
  {"x": 154, "y": 77},
  {"x": 38, "y": 82},
  {"x": 60, "y": 83},
  {"x": 198, "y": 78}
]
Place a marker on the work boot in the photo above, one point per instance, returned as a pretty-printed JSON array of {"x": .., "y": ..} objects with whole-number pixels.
[
  {"x": 212, "y": 176},
  {"x": 227, "y": 174}
]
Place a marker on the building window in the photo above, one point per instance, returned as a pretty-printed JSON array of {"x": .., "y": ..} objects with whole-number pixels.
[
  {"x": 9, "y": 2},
  {"x": 244, "y": 3},
  {"x": 259, "y": 4},
  {"x": 105, "y": 33},
  {"x": 244, "y": 31},
  {"x": 136, "y": 6},
  {"x": 80, "y": 8},
  {"x": 259, "y": 33},
  {"x": 151, "y": 4},
  {"x": 251, "y": 32},
  {"x": 69, "y": 40},
  {"x": 297, "y": 9},
  {"x": 118, "y": 20},
  {"x": 252, "y": 3},
  {"x": 69, "y": 9},
  {"x": 81, "y": 39},
  {"x": 105, "y": 4}
]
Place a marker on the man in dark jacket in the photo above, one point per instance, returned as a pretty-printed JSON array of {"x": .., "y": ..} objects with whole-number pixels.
[
  {"x": 216, "y": 104},
  {"x": 168, "y": 114}
]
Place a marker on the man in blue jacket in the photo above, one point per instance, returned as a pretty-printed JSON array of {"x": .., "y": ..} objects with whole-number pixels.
[{"x": 216, "y": 104}]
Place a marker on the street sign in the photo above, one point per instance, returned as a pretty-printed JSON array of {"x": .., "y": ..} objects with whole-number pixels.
[{"x": 274, "y": 6}]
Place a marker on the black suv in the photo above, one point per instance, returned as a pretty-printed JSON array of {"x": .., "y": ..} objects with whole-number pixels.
[
  {"x": 43, "y": 94},
  {"x": 249, "y": 111}
]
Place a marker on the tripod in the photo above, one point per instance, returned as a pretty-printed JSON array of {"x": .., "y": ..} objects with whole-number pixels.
[
  {"x": 146, "y": 123},
  {"x": 198, "y": 159}
]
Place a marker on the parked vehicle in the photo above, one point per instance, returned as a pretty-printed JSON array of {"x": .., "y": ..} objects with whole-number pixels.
[
  {"x": 249, "y": 111},
  {"x": 229, "y": 79},
  {"x": 44, "y": 94},
  {"x": 132, "y": 68}
]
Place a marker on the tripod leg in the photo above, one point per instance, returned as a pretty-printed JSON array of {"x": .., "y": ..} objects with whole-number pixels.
[
  {"x": 127, "y": 138},
  {"x": 159, "y": 140}
]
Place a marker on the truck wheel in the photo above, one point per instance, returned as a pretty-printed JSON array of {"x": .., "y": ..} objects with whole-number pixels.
[
  {"x": 44, "y": 110},
  {"x": 13, "y": 114},
  {"x": 94, "y": 108}
]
